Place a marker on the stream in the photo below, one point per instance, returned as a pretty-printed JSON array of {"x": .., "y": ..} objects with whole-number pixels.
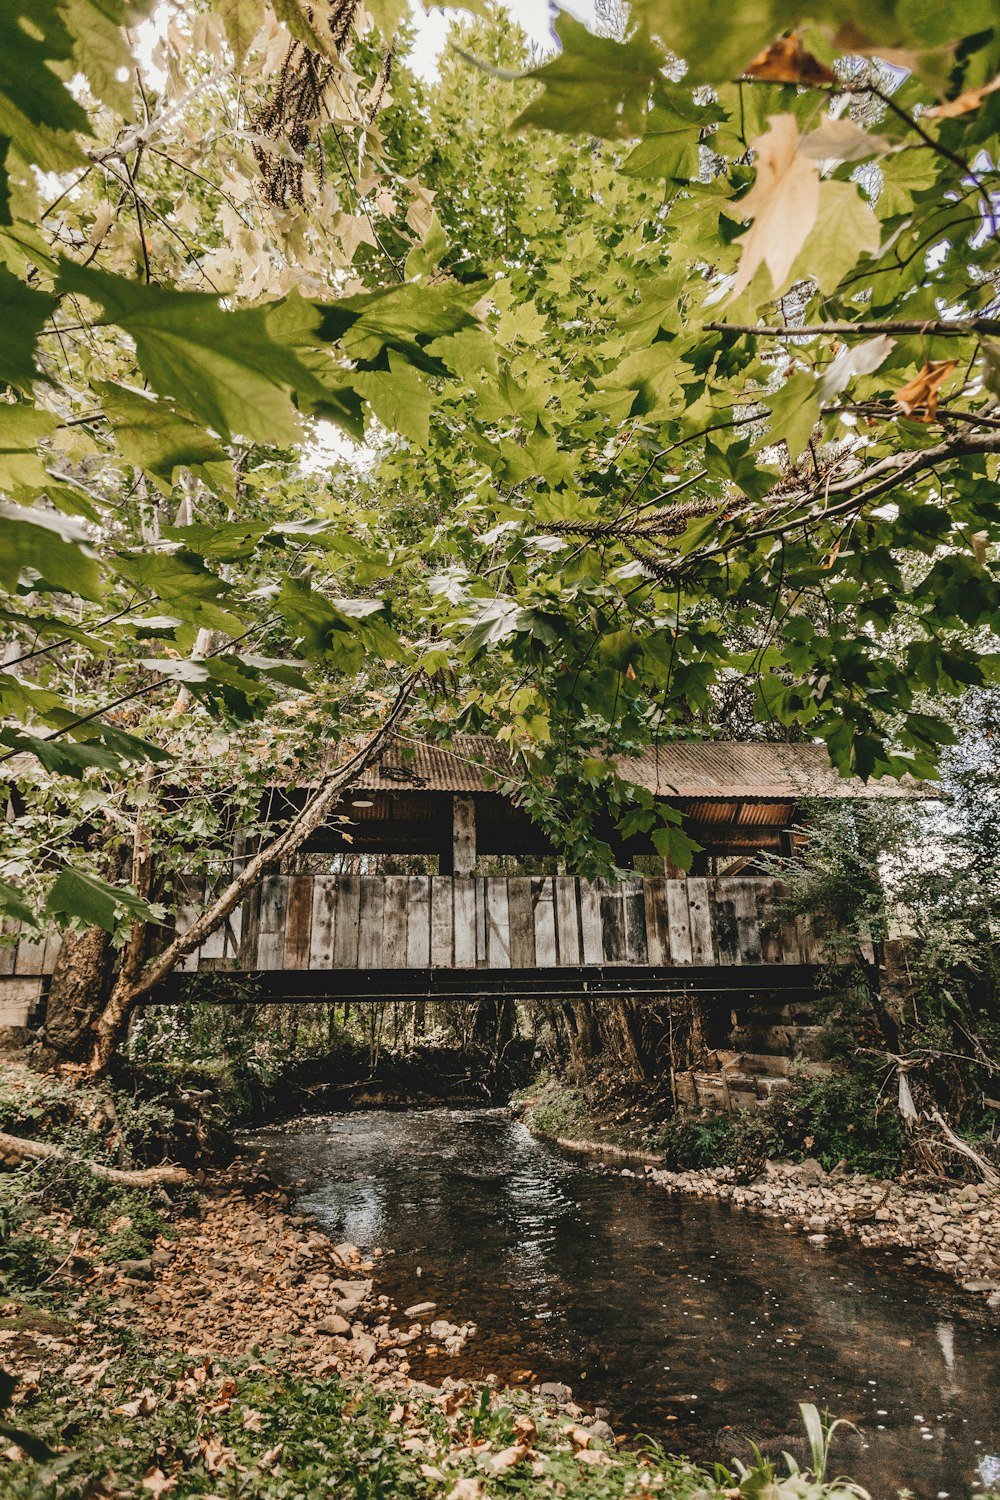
[{"x": 692, "y": 1322}]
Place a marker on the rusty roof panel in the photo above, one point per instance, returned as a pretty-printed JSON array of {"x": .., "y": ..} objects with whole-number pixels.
[{"x": 697, "y": 770}]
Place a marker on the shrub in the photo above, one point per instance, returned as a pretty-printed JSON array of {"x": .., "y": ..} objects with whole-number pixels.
[{"x": 842, "y": 1117}]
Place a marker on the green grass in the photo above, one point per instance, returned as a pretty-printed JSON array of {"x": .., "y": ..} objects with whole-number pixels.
[{"x": 247, "y": 1430}]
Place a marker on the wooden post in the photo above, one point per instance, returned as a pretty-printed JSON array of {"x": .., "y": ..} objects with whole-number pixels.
[{"x": 463, "y": 835}]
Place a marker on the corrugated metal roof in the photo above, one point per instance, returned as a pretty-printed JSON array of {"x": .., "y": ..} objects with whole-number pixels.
[{"x": 687, "y": 769}]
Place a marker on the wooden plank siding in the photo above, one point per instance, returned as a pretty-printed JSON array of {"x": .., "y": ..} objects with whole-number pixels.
[{"x": 375, "y": 922}]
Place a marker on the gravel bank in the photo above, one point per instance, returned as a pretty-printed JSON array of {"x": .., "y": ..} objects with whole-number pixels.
[{"x": 954, "y": 1230}]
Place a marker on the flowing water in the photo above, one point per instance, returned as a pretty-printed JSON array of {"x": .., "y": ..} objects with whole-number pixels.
[{"x": 696, "y": 1324}]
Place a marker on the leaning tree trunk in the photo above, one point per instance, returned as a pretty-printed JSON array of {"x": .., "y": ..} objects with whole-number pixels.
[
  {"x": 135, "y": 980},
  {"x": 77, "y": 992}
]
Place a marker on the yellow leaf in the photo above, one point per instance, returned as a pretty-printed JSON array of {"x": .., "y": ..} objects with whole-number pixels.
[{"x": 783, "y": 204}]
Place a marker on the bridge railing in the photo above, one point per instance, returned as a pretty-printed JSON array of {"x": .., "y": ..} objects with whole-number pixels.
[{"x": 345, "y": 922}]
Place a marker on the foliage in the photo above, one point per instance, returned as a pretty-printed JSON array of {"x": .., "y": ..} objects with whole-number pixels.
[
  {"x": 631, "y": 469},
  {"x": 850, "y": 1118},
  {"x": 742, "y": 1141}
]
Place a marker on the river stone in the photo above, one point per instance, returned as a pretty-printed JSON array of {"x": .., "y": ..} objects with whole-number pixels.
[
  {"x": 554, "y": 1390},
  {"x": 334, "y": 1325},
  {"x": 601, "y": 1430},
  {"x": 810, "y": 1171},
  {"x": 418, "y": 1309}
]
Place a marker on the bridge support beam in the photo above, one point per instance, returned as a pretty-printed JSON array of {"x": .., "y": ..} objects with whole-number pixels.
[{"x": 463, "y": 845}]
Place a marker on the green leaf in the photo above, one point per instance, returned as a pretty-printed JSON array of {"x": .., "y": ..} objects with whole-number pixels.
[
  {"x": 94, "y": 901},
  {"x": 339, "y": 631},
  {"x": 221, "y": 365},
  {"x": 794, "y": 412},
  {"x": 845, "y": 229},
  {"x": 55, "y": 546},
  {"x": 595, "y": 86},
  {"x": 62, "y": 757},
  {"x": 22, "y": 428},
  {"x": 23, "y": 311},
  {"x": 242, "y": 20},
  {"x": 398, "y": 398},
  {"x": 13, "y": 905},
  {"x": 669, "y": 148},
  {"x": 158, "y": 439},
  {"x": 736, "y": 463},
  {"x": 37, "y": 111},
  {"x": 185, "y": 586}
]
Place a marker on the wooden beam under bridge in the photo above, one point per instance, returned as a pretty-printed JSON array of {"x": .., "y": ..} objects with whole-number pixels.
[{"x": 374, "y": 985}]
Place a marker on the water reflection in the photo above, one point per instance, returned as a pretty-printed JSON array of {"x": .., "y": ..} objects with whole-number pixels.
[{"x": 697, "y": 1325}]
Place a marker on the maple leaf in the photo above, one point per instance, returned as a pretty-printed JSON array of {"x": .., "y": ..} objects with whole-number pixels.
[
  {"x": 787, "y": 61},
  {"x": 921, "y": 393},
  {"x": 783, "y": 204}
]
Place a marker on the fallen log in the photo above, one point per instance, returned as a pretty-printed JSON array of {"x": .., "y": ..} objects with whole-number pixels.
[{"x": 164, "y": 1176}]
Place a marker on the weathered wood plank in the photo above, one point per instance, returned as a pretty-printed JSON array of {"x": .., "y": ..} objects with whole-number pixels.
[
  {"x": 324, "y": 911},
  {"x": 748, "y": 938},
  {"x": 724, "y": 925},
  {"x": 18, "y": 998},
  {"x": 249, "y": 928},
  {"x": 657, "y": 922},
  {"x": 770, "y": 926},
  {"x": 346, "y": 923},
  {"x": 189, "y": 907},
  {"x": 371, "y": 917},
  {"x": 481, "y": 953},
  {"x": 567, "y": 922},
  {"x": 418, "y": 923},
  {"x": 298, "y": 921},
  {"x": 613, "y": 924},
  {"x": 465, "y": 922},
  {"x": 394, "y": 921},
  {"x": 271, "y": 938},
  {"x": 463, "y": 835},
  {"x": 810, "y": 942},
  {"x": 214, "y": 946},
  {"x": 543, "y": 900},
  {"x": 591, "y": 935},
  {"x": 702, "y": 950},
  {"x": 521, "y": 922},
  {"x": 442, "y": 923},
  {"x": 679, "y": 922},
  {"x": 30, "y": 954},
  {"x": 636, "y": 951},
  {"x": 497, "y": 924},
  {"x": 8, "y": 949}
]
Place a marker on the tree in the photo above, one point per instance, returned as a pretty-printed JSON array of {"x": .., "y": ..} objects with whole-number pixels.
[{"x": 683, "y": 397}]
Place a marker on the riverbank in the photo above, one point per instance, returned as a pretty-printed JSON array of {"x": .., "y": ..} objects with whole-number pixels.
[
  {"x": 953, "y": 1230},
  {"x": 217, "y": 1343}
]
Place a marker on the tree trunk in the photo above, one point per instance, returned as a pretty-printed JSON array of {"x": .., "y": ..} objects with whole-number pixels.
[
  {"x": 77, "y": 992},
  {"x": 134, "y": 980}
]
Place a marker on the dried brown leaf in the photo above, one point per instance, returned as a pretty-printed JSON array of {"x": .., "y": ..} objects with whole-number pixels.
[
  {"x": 964, "y": 103},
  {"x": 921, "y": 393},
  {"x": 787, "y": 61},
  {"x": 783, "y": 204}
]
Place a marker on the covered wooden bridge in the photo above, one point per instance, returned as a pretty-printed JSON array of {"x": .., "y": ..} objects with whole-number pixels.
[{"x": 428, "y": 880}]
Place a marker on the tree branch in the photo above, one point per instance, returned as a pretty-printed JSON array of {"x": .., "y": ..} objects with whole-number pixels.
[
  {"x": 164, "y": 1176},
  {"x": 931, "y": 327}
]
